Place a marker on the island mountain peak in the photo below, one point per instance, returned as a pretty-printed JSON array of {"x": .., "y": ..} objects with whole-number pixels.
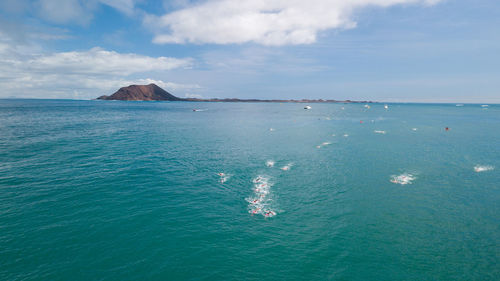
[{"x": 149, "y": 92}]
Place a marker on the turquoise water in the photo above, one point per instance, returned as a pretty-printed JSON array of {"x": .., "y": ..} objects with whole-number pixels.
[{"x": 102, "y": 190}]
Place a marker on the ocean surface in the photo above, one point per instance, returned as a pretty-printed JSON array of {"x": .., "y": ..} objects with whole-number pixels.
[{"x": 109, "y": 190}]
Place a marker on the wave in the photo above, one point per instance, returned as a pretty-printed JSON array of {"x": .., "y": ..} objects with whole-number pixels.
[
  {"x": 479, "y": 168},
  {"x": 224, "y": 177},
  {"x": 287, "y": 167},
  {"x": 403, "y": 179},
  {"x": 260, "y": 203},
  {"x": 270, "y": 163},
  {"x": 323, "y": 144}
]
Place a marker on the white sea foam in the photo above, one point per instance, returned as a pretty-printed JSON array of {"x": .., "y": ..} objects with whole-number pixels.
[
  {"x": 259, "y": 179},
  {"x": 346, "y": 135},
  {"x": 224, "y": 177},
  {"x": 403, "y": 179},
  {"x": 414, "y": 129},
  {"x": 481, "y": 168},
  {"x": 379, "y": 132},
  {"x": 287, "y": 167},
  {"x": 263, "y": 184},
  {"x": 270, "y": 163},
  {"x": 269, "y": 213},
  {"x": 323, "y": 144},
  {"x": 254, "y": 201},
  {"x": 260, "y": 202},
  {"x": 271, "y": 129},
  {"x": 261, "y": 191}
]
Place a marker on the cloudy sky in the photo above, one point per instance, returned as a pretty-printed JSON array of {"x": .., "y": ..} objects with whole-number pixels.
[{"x": 383, "y": 50}]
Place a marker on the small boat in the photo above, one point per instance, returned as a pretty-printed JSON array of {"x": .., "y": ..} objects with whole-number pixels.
[
  {"x": 386, "y": 106},
  {"x": 307, "y": 107}
]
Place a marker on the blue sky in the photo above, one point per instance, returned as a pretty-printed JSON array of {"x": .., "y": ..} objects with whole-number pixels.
[{"x": 381, "y": 50}]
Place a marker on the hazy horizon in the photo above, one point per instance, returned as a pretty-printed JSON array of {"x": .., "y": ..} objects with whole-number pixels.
[{"x": 340, "y": 101}]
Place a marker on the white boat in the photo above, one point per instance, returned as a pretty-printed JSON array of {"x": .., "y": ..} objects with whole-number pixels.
[
  {"x": 386, "y": 106},
  {"x": 307, "y": 107}
]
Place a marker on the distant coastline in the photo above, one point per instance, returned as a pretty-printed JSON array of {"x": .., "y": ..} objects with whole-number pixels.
[
  {"x": 278, "y": 101},
  {"x": 153, "y": 92}
]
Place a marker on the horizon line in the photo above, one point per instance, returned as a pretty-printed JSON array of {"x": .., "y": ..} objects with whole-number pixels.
[{"x": 260, "y": 101}]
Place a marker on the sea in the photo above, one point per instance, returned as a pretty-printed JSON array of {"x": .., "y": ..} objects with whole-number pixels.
[{"x": 114, "y": 190}]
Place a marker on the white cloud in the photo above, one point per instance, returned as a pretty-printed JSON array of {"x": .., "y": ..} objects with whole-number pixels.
[
  {"x": 56, "y": 86},
  {"x": 167, "y": 85},
  {"x": 267, "y": 22},
  {"x": 99, "y": 61},
  {"x": 89, "y": 73},
  {"x": 124, "y": 6},
  {"x": 196, "y": 96},
  {"x": 66, "y": 11}
]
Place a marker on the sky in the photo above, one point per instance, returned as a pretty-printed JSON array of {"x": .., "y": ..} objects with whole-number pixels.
[{"x": 378, "y": 50}]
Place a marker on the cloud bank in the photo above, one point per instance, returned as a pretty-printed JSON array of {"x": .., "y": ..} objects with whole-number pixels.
[
  {"x": 79, "y": 74},
  {"x": 99, "y": 61},
  {"x": 266, "y": 22}
]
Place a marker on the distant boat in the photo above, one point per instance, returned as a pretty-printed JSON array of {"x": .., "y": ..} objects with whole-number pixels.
[
  {"x": 484, "y": 105},
  {"x": 307, "y": 107},
  {"x": 367, "y": 106},
  {"x": 386, "y": 106},
  {"x": 459, "y": 104}
]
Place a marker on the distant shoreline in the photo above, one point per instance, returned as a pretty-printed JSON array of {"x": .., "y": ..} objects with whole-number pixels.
[
  {"x": 262, "y": 101},
  {"x": 152, "y": 92},
  {"x": 274, "y": 101}
]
